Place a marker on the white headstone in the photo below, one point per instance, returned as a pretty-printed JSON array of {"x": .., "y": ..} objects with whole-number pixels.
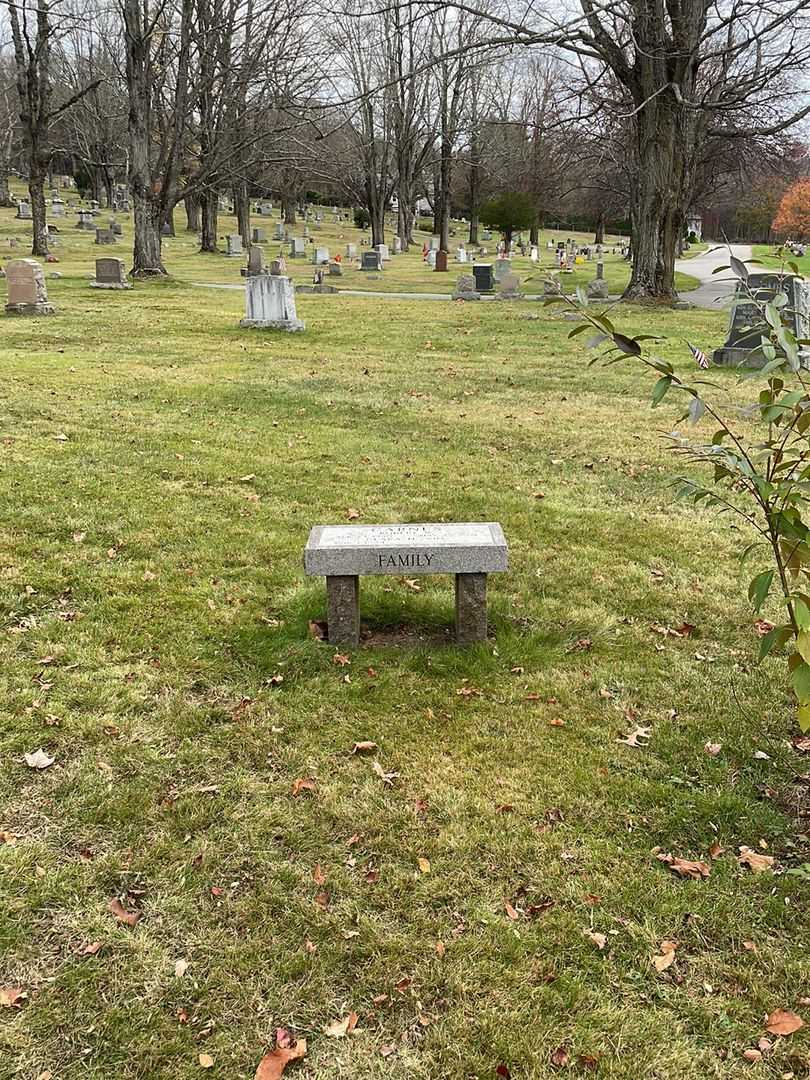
[{"x": 270, "y": 304}]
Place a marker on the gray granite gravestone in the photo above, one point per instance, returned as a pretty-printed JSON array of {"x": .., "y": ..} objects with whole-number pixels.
[
  {"x": 27, "y": 292},
  {"x": 465, "y": 288},
  {"x": 278, "y": 231},
  {"x": 320, "y": 255},
  {"x": 746, "y": 323},
  {"x": 270, "y": 304},
  {"x": 508, "y": 287},
  {"x": 371, "y": 261},
  {"x": 351, "y": 251},
  {"x": 104, "y": 236},
  {"x": 110, "y": 274},
  {"x": 233, "y": 246},
  {"x": 85, "y": 221},
  {"x": 598, "y": 288},
  {"x": 341, "y": 553},
  {"x": 297, "y": 247},
  {"x": 501, "y": 267},
  {"x": 57, "y": 208},
  {"x": 259, "y": 235},
  {"x": 23, "y": 210}
]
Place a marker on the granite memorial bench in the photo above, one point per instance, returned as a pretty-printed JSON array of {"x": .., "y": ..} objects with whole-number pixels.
[{"x": 341, "y": 553}]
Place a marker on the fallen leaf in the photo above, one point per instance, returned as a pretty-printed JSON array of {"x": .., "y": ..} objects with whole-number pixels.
[
  {"x": 387, "y": 778},
  {"x": 7, "y": 837},
  {"x": 318, "y": 876},
  {"x": 276, "y": 1061},
  {"x": 424, "y": 865},
  {"x": 713, "y": 748},
  {"x": 247, "y": 479},
  {"x": 801, "y": 744},
  {"x": 637, "y": 734},
  {"x": 352, "y": 514},
  {"x": 130, "y": 918},
  {"x": 587, "y": 1062},
  {"x": 322, "y": 899},
  {"x": 302, "y": 785},
  {"x": 39, "y": 760},
  {"x": 339, "y": 1028},
  {"x": 560, "y": 1057},
  {"x": 341, "y": 659},
  {"x": 441, "y": 949},
  {"x": 365, "y": 747},
  {"x": 90, "y": 948},
  {"x": 752, "y": 1055},
  {"x": 763, "y": 627},
  {"x": 510, "y": 911},
  {"x": 754, "y": 861},
  {"x": 503, "y": 1072},
  {"x": 716, "y": 850},
  {"x": 784, "y": 1022},
  {"x": 667, "y": 957},
  {"x": 12, "y": 997},
  {"x": 685, "y": 867},
  {"x": 180, "y": 968},
  {"x": 599, "y": 940},
  {"x": 206, "y": 1061}
]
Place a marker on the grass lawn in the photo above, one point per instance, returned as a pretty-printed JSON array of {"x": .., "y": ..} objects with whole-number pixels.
[
  {"x": 160, "y": 471},
  {"x": 768, "y": 256}
]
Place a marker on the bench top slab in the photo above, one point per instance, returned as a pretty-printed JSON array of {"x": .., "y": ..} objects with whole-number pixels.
[{"x": 473, "y": 547}]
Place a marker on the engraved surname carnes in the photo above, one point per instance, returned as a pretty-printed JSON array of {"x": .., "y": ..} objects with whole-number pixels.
[{"x": 405, "y": 560}]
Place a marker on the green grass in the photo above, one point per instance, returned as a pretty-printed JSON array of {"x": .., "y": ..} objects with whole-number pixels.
[
  {"x": 769, "y": 257},
  {"x": 151, "y": 594}
]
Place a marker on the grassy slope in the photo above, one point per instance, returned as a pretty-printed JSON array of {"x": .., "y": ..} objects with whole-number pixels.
[{"x": 168, "y": 590}]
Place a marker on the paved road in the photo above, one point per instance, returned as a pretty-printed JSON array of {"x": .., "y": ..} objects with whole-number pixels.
[{"x": 715, "y": 289}]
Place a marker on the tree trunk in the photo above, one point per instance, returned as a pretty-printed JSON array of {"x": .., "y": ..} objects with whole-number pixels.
[
  {"x": 599, "y": 236},
  {"x": 192, "y": 203},
  {"x": 146, "y": 256},
  {"x": 5, "y": 192},
  {"x": 210, "y": 211},
  {"x": 288, "y": 208},
  {"x": 168, "y": 219},
  {"x": 241, "y": 207},
  {"x": 474, "y": 222},
  {"x": 36, "y": 189},
  {"x": 534, "y": 231}
]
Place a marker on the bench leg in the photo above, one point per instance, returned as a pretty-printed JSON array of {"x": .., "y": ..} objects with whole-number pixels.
[
  {"x": 471, "y": 608},
  {"x": 343, "y": 610}
]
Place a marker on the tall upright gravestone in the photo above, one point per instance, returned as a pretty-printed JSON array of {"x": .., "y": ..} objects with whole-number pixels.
[
  {"x": 746, "y": 325},
  {"x": 27, "y": 292},
  {"x": 270, "y": 304}
]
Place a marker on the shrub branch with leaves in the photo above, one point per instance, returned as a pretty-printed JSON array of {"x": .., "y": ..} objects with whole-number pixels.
[{"x": 765, "y": 480}]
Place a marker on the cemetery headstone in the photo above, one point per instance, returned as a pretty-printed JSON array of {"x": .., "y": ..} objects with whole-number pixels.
[
  {"x": 435, "y": 242},
  {"x": 233, "y": 244},
  {"x": 397, "y": 245},
  {"x": 501, "y": 267},
  {"x": 278, "y": 232},
  {"x": 27, "y": 292},
  {"x": 383, "y": 250},
  {"x": 745, "y": 328},
  {"x": 371, "y": 261},
  {"x": 598, "y": 288},
  {"x": 166, "y": 229},
  {"x": 270, "y": 304},
  {"x": 320, "y": 255},
  {"x": 441, "y": 262},
  {"x": 115, "y": 227},
  {"x": 351, "y": 251},
  {"x": 57, "y": 208},
  {"x": 255, "y": 264},
  {"x": 484, "y": 278},
  {"x": 461, "y": 254},
  {"x": 104, "y": 236},
  {"x": 297, "y": 247},
  {"x": 508, "y": 287},
  {"x": 465, "y": 288},
  {"x": 486, "y": 235},
  {"x": 341, "y": 554},
  {"x": 335, "y": 269},
  {"x": 278, "y": 267},
  {"x": 259, "y": 235},
  {"x": 23, "y": 210},
  {"x": 431, "y": 258},
  {"x": 110, "y": 274}
]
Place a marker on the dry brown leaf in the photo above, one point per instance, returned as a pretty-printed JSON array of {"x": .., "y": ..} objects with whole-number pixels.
[
  {"x": 130, "y": 918},
  {"x": 667, "y": 957},
  {"x": 90, "y": 948},
  {"x": 302, "y": 785},
  {"x": 206, "y": 1061},
  {"x": 424, "y": 865},
  {"x": 684, "y": 867},
  {"x": 341, "y": 659},
  {"x": 39, "y": 760},
  {"x": 352, "y": 514},
  {"x": 12, "y": 997},
  {"x": 599, "y": 940},
  {"x": 318, "y": 876},
  {"x": 752, "y": 1055},
  {"x": 364, "y": 747},
  {"x": 784, "y": 1022},
  {"x": 339, "y": 1028},
  {"x": 180, "y": 968},
  {"x": 322, "y": 899},
  {"x": 754, "y": 861},
  {"x": 276, "y": 1061},
  {"x": 387, "y": 778},
  {"x": 7, "y": 837},
  {"x": 510, "y": 911},
  {"x": 441, "y": 949},
  {"x": 713, "y": 748},
  {"x": 560, "y": 1057},
  {"x": 637, "y": 734}
]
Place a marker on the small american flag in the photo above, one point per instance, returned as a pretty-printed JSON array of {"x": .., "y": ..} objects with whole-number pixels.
[{"x": 701, "y": 359}]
